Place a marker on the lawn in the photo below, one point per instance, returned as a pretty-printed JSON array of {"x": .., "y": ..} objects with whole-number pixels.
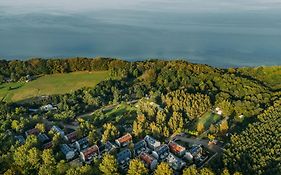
[
  {"x": 122, "y": 113},
  {"x": 208, "y": 118},
  {"x": 51, "y": 84}
]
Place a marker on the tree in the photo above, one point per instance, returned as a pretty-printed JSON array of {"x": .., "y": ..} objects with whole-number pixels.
[
  {"x": 40, "y": 127},
  {"x": 17, "y": 125},
  {"x": 48, "y": 157},
  {"x": 200, "y": 127},
  {"x": 225, "y": 172},
  {"x": 138, "y": 125},
  {"x": 206, "y": 171},
  {"x": 110, "y": 132},
  {"x": 108, "y": 165},
  {"x": 93, "y": 137},
  {"x": 226, "y": 108},
  {"x": 176, "y": 122},
  {"x": 34, "y": 157},
  {"x": 224, "y": 126},
  {"x": 9, "y": 172},
  {"x": 163, "y": 169},
  {"x": 136, "y": 167},
  {"x": 191, "y": 170}
]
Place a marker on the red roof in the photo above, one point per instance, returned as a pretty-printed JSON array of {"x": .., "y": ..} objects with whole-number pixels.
[
  {"x": 90, "y": 151},
  {"x": 47, "y": 145},
  {"x": 126, "y": 138},
  {"x": 72, "y": 136},
  {"x": 33, "y": 131},
  {"x": 146, "y": 158},
  {"x": 176, "y": 148}
]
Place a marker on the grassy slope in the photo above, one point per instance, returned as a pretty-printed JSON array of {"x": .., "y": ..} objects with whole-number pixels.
[
  {"x": 208, "y": 118},
  {"x": 51, "y": 84}
]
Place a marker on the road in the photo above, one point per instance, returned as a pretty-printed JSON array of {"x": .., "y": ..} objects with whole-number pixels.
[{"x": 203, "y": 142}]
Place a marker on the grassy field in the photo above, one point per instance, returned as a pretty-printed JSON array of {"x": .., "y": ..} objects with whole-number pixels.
[
  {"x": 51, "y": 84},
  {"x": 208, "y": 119},
  {"x": 122, "y": 113}
]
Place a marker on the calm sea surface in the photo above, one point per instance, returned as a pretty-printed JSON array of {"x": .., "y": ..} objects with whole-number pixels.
[{"x": 219, "y": 39}]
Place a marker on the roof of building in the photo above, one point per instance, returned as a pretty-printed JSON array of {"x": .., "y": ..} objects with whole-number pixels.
[
  {"x": 107, "y": 147},
  {"x": 146, "y": 158},
  {"x": 124, "y": 155},
  {"x": 162, "y": 149},
  {"x": 72, "y": 136},
  {"x": 43, "y": 137},
  {"x": 47, "y": 145},
  {"x": 65, "y": 149},
  {"x": 175, "y": 162},
  {"x": 57, "y": 129},
  {"x": 83, "y": 141},
  {"x": 125, "y": 138},
  {"x": 140, "y": 144},
  {"x": 151, "y": 140},
  {"x": 91, "y": 150},
  {"x": 34, "y": 131},
  {"x": 176, "y": 148},
  {"x": 195, "y": 149},
  {"x": 20, "y": 139}
]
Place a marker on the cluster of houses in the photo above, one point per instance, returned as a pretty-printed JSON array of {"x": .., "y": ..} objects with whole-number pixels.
[{"x": 149, "y": 150}]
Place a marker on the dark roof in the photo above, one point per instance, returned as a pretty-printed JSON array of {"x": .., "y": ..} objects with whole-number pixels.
[
  {"x": 20, "y": 139},
  {"x": 162, "y": 149},
  {"x": 65, "y": 149},
  {"x": 139, "y": 145},
  {"x": 58, "y": 129},
  {"x": 124, "y": 155},
  {"x": 195, "y": 149},
  {"x": 43, "y": 137},
  {"x": 83, "y": 141}
]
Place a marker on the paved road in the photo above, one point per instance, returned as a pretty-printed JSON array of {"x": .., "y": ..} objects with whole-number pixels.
[{"x": 204, "y": 142}]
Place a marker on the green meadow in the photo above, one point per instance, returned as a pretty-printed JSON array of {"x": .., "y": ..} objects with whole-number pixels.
[{"x": 50, "y": 84}]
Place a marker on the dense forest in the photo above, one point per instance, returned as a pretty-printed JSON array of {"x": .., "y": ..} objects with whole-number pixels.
[{"x": 180, "y": 93}]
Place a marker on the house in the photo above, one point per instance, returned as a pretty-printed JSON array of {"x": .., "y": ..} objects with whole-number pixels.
[
  {"x": 218, "y": 111},
  {"x": 56, "y": 129},
  {"x": 47, "y": 145},
  {"x": 175, "y": 162},
  {"x": 106, "y": 148},
  {"x": 43, "y": 138},
  {"x": 20, "y": 139},
  {"x": 71, "y": 137},
  {"x": 124, "y": 140},
  {"x": 123, "y": 159},
  {"x": 177, "y": 149},
  {"x": 139, "y": 147},
  {"x": 188, "y": 156},
  {"x": 151, "y": 142},
  {"x": 88, "y": 154},
  {"x": 33, "y": 131},
  {"x": 67, "y": 151},
  {"x": 148, "y": 160},
  {"x": 33, "y": 110},
  {"x": 48, "y": 107},
  {"x": 161, "y": 152},
  {"x": 196, "y": 150},
  {"x": 82, "y": 144}
]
